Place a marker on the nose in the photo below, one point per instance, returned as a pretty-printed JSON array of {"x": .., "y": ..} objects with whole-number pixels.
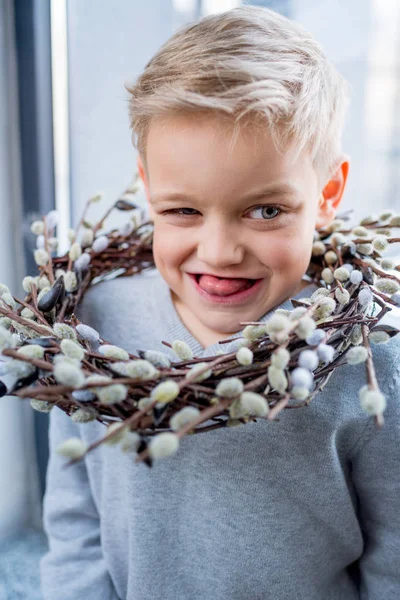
[{"x": 219, "y": 246}]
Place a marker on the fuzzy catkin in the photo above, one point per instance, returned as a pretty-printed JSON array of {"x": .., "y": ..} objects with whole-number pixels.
[
  {"x": 244, "y": 356},
  {"x": 163, "y": 445},
  {"x": 229, "y": 387},
  {"x": 182, "y": 350}
]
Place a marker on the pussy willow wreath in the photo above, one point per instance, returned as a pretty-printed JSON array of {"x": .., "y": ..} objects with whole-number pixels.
[{"x": 147, "y": 402}]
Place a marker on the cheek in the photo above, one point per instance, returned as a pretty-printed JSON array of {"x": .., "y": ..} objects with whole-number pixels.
[
  {"x": 170, "y": 246},
  {"x": 290, "y": 248}
]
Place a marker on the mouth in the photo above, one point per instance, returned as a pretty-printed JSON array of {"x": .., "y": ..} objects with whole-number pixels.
[
  {"x": 246, "y": 292},
  {"x": 249, "y": 282}
]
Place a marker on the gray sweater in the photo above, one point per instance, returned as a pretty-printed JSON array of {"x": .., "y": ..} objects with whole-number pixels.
[{"x": 304, "y": 508}]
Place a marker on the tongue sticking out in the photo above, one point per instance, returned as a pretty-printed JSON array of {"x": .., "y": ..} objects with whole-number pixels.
[{"x": 223, "y": 287}]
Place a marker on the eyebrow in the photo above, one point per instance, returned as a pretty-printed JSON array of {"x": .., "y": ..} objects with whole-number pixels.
[{"x": 284, "y": 189}]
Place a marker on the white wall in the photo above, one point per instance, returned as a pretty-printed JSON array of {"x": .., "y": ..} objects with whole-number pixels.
[{"x": 109, "y": 44}]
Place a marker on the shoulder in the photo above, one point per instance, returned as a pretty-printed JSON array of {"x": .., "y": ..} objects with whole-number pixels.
[
  {"x": 114, "y": 293},
  {"x": 119, "y": 307}
]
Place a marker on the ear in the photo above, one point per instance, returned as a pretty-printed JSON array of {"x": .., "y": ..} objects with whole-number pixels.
[
  {"x": 331, "y": 195},
  {"x": 143, "y": 177}
]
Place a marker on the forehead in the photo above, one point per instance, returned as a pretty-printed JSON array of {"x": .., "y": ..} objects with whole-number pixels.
[{"x": 197, "y": 153}]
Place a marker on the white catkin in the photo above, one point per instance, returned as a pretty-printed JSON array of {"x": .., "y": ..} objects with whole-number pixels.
[
  {"x": 9, "y": 300},
  {"x": 244, "y": 356},
  {"x": 325, "y": 352},
  {"x": 316, "y": 337},
  {"x": 163, "y": 445},
  {"x": 308, "y": 359},
  {"x": 52, "y": 219},
  {"x": 64, "y": 358},
  {"x": 301, "y": 377},
  {"x": 27, "y": 283},
  {"x": 229, "y": 387},
  {"x": 280, "y": 358},
  {"x": 395, "y": 221},
  {"x": 144, "y": 403},
  {"x": 338, "y": 239},
  {"x": 297, "y": 312},
  {"x": 305, "y": 327},
  {"x": 253, "y": 404},
  {"x": 342, "y": 296},
  {"x": 183, "y": 417},
  {"x": 253, "y": 332},
  {"x": 325, "y": 309},
  {"x": 360, "y": 231},
  {"x": 182, "y": 350},
  {"x": 141, "y": 369},
  {"x": 72, "y": 349},
  {"x": 202, "y": 376},
  {"x": 87, "y": 237},
  {"x": 41, "y": 257},
  {"x": 158, "y": 359},
  {"x": 365, "y": 296},
  {"x": 356, "y": 337},
  {"x": 82, "y": 416},
  {"x": 41, "y": 405},
  {"x": 4, "y": 289},
  {"x": 386, "y": 215},
  {"x": 327, "y": 275},
  {"x": 380, "y": 243},
  {"x": 61, "y": 330},
  {"x": 369, "y": 219},
  {"x": 165, "y": 391},
  {"x": 75, "y": 251},
  {"x": 130, "y": 441},
  {"x": 387, "y": 286},
  {"x": 70, "y": 281},
  {"x": 116, "y": 438},
  {"x": 111, "y": 351},
  {"x": 356, "y": 354},
  {"x": 111, "y": 394},
  {"x": 348, "y": 267},
  {"x": 318, "y": 294},
  {"x": 32, "y": 350},
  {"x": 365, "y": 249},
  {"x": 341, "y": 274},
  {"x": 318, "y": 248},
  {"x": 299, "y": 393},
  {"x": 27, "y": 313},
  {"x": 378, "y": 337},
  {"x": 82, "y": 262},
  {"x": 277, "y": 379},
  {"x": 43, "y": 282},
  {"x": 100, "y": 243},
  {"x": 88, "y": 333},
  {"x": 277, "y": 323},
  {"x": 372, "y": 401},
  {"x": 387, "y": 264},
  {"x": 66, "y": 373},
  {"x": 37, "y": 227},
  {"x": 356, "y": 277},
  {"x": 330, "y": 257},
  {"x": 72, "y": 448}
]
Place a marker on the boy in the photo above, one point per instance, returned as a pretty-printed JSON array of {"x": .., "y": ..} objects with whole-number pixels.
[{"x": 304, "y": 508}]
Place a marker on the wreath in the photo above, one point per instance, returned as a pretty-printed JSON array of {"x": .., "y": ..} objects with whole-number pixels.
[{"x": 149, "y": 402}]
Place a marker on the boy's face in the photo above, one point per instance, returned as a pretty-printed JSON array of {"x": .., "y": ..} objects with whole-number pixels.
[{"x": 244, "y": 211}]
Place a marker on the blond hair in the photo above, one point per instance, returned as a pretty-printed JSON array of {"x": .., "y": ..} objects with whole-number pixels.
[{"x": 249, "y": 64}]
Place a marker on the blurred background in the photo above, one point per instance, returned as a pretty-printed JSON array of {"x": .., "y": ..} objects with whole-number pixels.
[{"x": 65, "y": 136}]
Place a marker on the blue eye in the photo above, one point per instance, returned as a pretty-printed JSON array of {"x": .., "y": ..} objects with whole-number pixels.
[{"x": 266, "y": 211}]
